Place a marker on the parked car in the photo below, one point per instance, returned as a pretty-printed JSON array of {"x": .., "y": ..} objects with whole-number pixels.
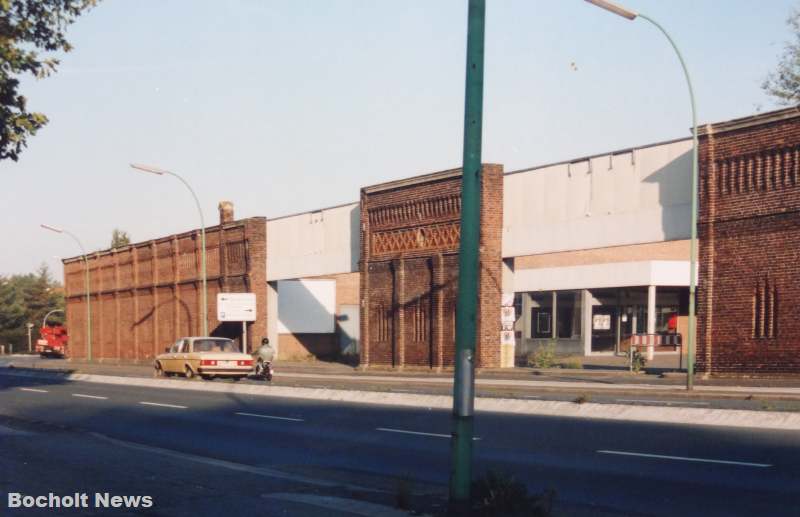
[{"x": 207, "y": 357}]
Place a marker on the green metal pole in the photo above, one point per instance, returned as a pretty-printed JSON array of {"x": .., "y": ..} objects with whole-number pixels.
[
  {"x": 693, "y": 245},
  {"x": 467, "y": 302}
]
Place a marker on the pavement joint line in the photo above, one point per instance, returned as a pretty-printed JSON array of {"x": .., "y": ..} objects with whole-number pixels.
[
  {"x": 230, "y": 465},
  {"x": 420, "y": 433},
  {"x": 34, "y": 390},
  {"x": 271, "y": 417},
  {"x": 159, "y": 404},
  {"x": 760, "y": 419},
  {"x": 668, "y": 402},
  {"x": 685, "y": 458},
  {"x": 83, "y": 396}
]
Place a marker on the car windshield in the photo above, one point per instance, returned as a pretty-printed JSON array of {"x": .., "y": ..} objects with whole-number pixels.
[{"x": 215, "y": 345}]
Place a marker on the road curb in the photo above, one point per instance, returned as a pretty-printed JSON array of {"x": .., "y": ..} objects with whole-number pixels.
[{"x": 675, "y": 415}]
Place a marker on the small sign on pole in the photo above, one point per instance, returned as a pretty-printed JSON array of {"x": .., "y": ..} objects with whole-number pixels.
[{"x": 237, "y": 307}]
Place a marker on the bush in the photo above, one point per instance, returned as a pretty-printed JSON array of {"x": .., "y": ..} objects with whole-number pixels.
[
  {"x": 498, "y": 494},
  {"x": 544, "y": 357},
  {"x": 637, "y": 360}
]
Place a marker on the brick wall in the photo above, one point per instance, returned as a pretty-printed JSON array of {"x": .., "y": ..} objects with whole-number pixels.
[
  {"x": 749, "y": 232},
  {"x": 409, "y": 270},
  {"x": 148, "y": 294}
]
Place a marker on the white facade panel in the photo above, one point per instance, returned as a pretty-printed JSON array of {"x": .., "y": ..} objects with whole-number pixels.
[
  {"x": 306, "y": 306},
  {"x": 323, "y": 242},
  {"x": 597, "y": 276},
  {"x": 634, "y": 197}
]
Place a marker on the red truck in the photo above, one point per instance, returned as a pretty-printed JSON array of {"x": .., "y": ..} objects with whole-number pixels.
[{"x": 53, "y": 341}]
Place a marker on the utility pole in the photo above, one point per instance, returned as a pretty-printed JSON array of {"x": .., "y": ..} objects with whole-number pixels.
[
  {"x": 30, "y": 343},
  {"x": 467, "y": 302}
]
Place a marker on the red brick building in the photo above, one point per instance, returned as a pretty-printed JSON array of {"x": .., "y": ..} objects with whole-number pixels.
[
  {"x": 749, "y": 231},
  {"x": 146, "y": 295},
  {"x": 410, "y": 232}
]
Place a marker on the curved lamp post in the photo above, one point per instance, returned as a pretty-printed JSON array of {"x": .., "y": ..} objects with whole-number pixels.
[
  {"x": 44, "y": 320},
  {"x": 631, "y": 15},
  {"x": 87, "y": 287},
  {"x": 161, "y": 172}
]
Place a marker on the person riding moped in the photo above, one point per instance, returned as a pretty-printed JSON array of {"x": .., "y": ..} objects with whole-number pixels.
[{"x": 263, "y": 358}]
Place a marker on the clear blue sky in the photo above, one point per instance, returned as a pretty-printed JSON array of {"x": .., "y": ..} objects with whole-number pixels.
[{"x": 286, "y": 106}]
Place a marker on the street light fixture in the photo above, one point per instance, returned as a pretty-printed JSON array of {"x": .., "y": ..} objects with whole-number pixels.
[
  {"x": 87, "y": 288},
  {"x": 204, "y": 295},
  {"x": 631, "y": 15}
]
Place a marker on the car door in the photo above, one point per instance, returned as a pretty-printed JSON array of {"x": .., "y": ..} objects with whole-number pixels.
[
  {"x": 186, "y": 350},
  {"x": 171, "y": 361}
]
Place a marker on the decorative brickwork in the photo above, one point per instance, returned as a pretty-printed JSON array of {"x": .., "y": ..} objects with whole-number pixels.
[
  {"x": 410, "y": 232},
  {"x": 750, "y": 245},
  {"x": 146, "y": 295}
]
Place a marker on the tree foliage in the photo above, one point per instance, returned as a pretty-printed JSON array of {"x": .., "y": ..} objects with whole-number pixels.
[
  {"x": 27, "y": 299},
  {"x": 119, "y": 238},
  {"x": 784, "y": 82},
  {"x": 29, "y": 28}
]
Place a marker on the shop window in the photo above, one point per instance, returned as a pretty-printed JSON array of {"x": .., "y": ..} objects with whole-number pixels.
[
  {"x": 542, "y": 315},
  {"x": 568, "y": 309}
]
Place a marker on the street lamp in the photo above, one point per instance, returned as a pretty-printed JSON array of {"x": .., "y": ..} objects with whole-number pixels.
[
  {"x": 630, "y": 15},
  {"x": 87, "y": 288},
  {"x": 161, "y": 172}
]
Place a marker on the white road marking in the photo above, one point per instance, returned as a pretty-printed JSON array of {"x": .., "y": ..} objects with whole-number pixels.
[
  {"x": 668, "y": 402},
  {"x": 684, "y": 458},
  {"x": 34, "y": 390},
  {"x": 271, "y": 417},
  {"x": 81, "y": 395},
  {"x": 163, "y": 405},
  {"x": 403, "y": 431}
]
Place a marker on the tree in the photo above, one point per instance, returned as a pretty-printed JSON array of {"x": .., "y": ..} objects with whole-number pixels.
[
  {"x": 784, "y": 82},
  {"x": 27, "y": 28},
  {"x": 26, "y": 299},
  {"x": 119, "y": 238}
]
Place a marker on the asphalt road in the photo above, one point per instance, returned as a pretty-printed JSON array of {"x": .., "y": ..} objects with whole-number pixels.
[{"x": 619, "y": 468}]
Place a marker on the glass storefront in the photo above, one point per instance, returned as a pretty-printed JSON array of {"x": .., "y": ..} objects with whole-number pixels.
[{"x": 559, "y": 317}]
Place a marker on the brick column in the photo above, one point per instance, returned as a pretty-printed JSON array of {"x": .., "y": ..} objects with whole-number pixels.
[
  {"x": 399, "y": 292},
  {"x": 437, "y": 311},
  {"x": 135, "y": 293},
  {"x": 116, "y": 295},
  {"x": 154, "y": 265},
  {"x": 176, "y": 306}
]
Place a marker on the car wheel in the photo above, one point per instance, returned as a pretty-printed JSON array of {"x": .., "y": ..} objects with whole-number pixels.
[
  {"x": 189, "y": 373},
  {"x": 207, "y": 377},
  {"x": 237, "y": 379},
  {"x": 159, "y": 371}
]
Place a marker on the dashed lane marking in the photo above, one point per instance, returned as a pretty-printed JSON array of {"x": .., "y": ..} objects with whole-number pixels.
[
  {"x": 685, "y": 458},
  {"x": 158, "y": 404},
  {"x": 271, "y": 417},
  {"x": 420, "y": 433},
  {"x": 81, "y": 395}
]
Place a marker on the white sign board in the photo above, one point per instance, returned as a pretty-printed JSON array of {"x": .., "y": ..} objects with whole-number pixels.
[
  {"x": 601, "y": 322},
  {"x": 236, "y": 306},
  {"x": 507, "y": 315},
  {"x": 507, "y": 299},
  {"x": 507, "y": 337}
]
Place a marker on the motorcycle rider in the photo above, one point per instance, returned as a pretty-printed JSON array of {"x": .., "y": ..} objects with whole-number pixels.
[{"x": 264, "y": 357}]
